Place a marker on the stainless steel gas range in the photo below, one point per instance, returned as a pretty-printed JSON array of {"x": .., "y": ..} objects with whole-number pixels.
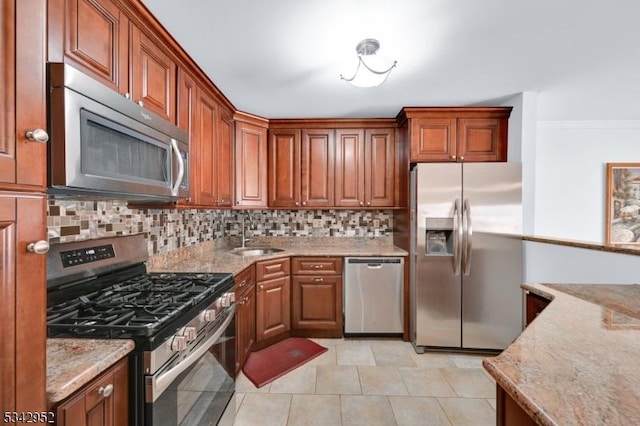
[{"x": 183, "y": 368}]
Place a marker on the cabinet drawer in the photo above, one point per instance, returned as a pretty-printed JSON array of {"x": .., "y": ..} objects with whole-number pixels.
[
  {"x": 244, "y": 279},
  {"x": 317, "y": 266},
  {"x": 269, "y": 269},
  {"x": 95, "y": 394}
]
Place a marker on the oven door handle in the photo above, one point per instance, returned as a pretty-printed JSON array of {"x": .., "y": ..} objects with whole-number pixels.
[{"x": 156, "y": 385}]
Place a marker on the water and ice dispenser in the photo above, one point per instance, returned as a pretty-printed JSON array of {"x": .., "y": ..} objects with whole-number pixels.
[{"x": 439, "y": 236}]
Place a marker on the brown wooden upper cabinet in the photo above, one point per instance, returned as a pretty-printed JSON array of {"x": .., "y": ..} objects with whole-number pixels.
[
  {"x": 250, "y": 161},
  {"x": 153, "y": 75},
  {"x": 301, "y": 168},
  {"x": 365, "y": 165},
  {"x": 97, "y": 37},
  {"x": 337, "y": 163},
  {"x": 211, "y": 132},
  {"x": 211, "y": 152},
  {"x": 472, "y": 134},
  {"x": 22, "y": 93}
]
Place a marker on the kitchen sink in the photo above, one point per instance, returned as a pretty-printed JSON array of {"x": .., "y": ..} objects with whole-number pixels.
[{"x": 255, "y": 251}]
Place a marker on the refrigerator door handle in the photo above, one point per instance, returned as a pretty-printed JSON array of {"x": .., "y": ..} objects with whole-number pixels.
[
  {"x": 467, "y": 230},
  {"x": 457, "y": 238}
]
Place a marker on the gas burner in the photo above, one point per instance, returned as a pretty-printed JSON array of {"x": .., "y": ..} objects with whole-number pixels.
[{"x": 136, "y": 306}]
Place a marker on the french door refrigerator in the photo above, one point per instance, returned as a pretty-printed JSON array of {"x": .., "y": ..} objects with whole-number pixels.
[{"x": 466, "y": 262}]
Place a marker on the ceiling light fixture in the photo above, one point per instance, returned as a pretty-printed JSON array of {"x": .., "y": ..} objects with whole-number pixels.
[{"x": 372, "y": 69}]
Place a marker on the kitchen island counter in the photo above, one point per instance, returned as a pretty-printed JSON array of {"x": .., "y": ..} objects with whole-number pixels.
[
  {"x": 72, "y": 363},
  {"x": 577, "y": 362},
  {"x": 209, "y": 257}
]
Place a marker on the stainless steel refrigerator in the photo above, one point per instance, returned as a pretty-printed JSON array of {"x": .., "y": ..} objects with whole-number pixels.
[{"x": 466, "y": 263}]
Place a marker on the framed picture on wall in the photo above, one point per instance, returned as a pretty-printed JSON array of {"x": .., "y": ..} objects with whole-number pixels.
[{"x": 623, "y": 204}]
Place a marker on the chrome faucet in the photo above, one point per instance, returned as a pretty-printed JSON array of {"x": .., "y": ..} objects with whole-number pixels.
[{"x": 246, "y": 215}]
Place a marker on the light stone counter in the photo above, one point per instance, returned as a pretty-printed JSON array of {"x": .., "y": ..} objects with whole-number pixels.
[
  {"x": 72, "y": 363},
  {"x": 578, "y": 362},
  {"x": 212, "y": 257}
]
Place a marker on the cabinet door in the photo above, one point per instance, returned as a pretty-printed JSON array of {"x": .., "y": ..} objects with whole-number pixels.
[
  {"x": 380, "y": 168},
  {"x": 283, "y": 168},
  {"x": 433, "y": 139},
  {"x": 350, "y": 168},
  {"x": 23, "y": 298},
  {"x": 224, "y": 157},
  {"x": 22, "y": 93},
  {"x": 103, "y": 402},
  {"x": 245, "y": 323},
  {"x": 317, "y": 302},
  {"x": 205, "y": 188},
  {"x": 317, "y": 168},
  {"x": 187, "y": 104},
  {"x": 273, "y": 316},
  {"x": 535, "y": 305},
  {"x": 96, "y": 35},
  {"x": 482, "y": 139},
  {"x": 153, "y": 76},
  {"x": 251, "y": 165}
]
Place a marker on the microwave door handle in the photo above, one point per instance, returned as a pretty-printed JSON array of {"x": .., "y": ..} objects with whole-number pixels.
[{"x": 176, "y": 186}]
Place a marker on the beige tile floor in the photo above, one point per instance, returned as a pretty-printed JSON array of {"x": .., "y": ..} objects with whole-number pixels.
[{"x": 373, "y": 382}]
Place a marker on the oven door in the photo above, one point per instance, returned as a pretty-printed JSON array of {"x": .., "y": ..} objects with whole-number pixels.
[{"x": 200, "y": 390}]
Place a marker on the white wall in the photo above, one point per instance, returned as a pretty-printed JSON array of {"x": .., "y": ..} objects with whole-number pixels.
[
  {"x": 563, "y": 192},
  {"x": 570, "y": 164},
  {"x": 550, "y": 263}
]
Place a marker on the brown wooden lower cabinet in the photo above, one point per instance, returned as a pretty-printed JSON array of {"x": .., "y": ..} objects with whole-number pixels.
[
  {"x": 23, "y": 332},
  {"x": 535, "y": 305},
  {"x": 316, "y": 299},
  {"x": 102, "y": 402},
  {"x": 245, "y": 315},
  {"x": 508, "y": 412},
  {"x": 273, "y": 304}
]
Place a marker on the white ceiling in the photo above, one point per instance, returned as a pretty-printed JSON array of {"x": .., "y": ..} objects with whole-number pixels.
[{"x": 283, "y": 58}]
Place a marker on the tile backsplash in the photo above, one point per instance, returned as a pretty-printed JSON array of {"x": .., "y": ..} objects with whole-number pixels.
[{"x": 169, "y": 229}]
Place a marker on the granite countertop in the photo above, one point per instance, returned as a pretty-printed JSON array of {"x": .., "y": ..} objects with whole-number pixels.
[
  {"x": 72, "y": 363},
  {"x": 577, "y": 362},
  {"x": 211, "y": 257}
]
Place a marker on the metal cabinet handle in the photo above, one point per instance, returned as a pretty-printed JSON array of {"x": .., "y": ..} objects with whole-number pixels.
[
  {"x": 318, "y": 279},
  {"x": 39, "y": 247},
  {"x": 462, "y": 158},
  {"x": 304, "y": 203},
  {"x": 261, "y": 286},
  {"x": 105, "y": 391},
  {"x": 37, "y": 135},
  {"x": 127, "y": 95},
  {"x": 141, "y": 103},
  {"x": 318, "y": 266},
  {"x": 242, "y": 284},
  {"x": 368, "y": 203},
  {"x": 361, "y": 203},
  {"x": 453, "y": 157}
]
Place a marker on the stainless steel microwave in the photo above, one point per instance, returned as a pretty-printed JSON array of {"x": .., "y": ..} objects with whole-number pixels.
[{"x": 105, "y": 145}]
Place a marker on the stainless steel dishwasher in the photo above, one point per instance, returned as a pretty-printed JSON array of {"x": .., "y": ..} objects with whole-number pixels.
[{"x": 373, "y": 295}]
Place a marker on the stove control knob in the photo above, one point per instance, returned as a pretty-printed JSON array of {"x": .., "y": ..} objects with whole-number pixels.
[
  {"x": 190, "y": 333},
  {"x": 209, "y": 315},
  {"x": 178, "y": 343},
  {"x": 227, "y": 299}
]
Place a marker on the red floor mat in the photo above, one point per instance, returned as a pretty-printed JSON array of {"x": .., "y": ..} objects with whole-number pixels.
[{"x": 268, "y": 364}]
